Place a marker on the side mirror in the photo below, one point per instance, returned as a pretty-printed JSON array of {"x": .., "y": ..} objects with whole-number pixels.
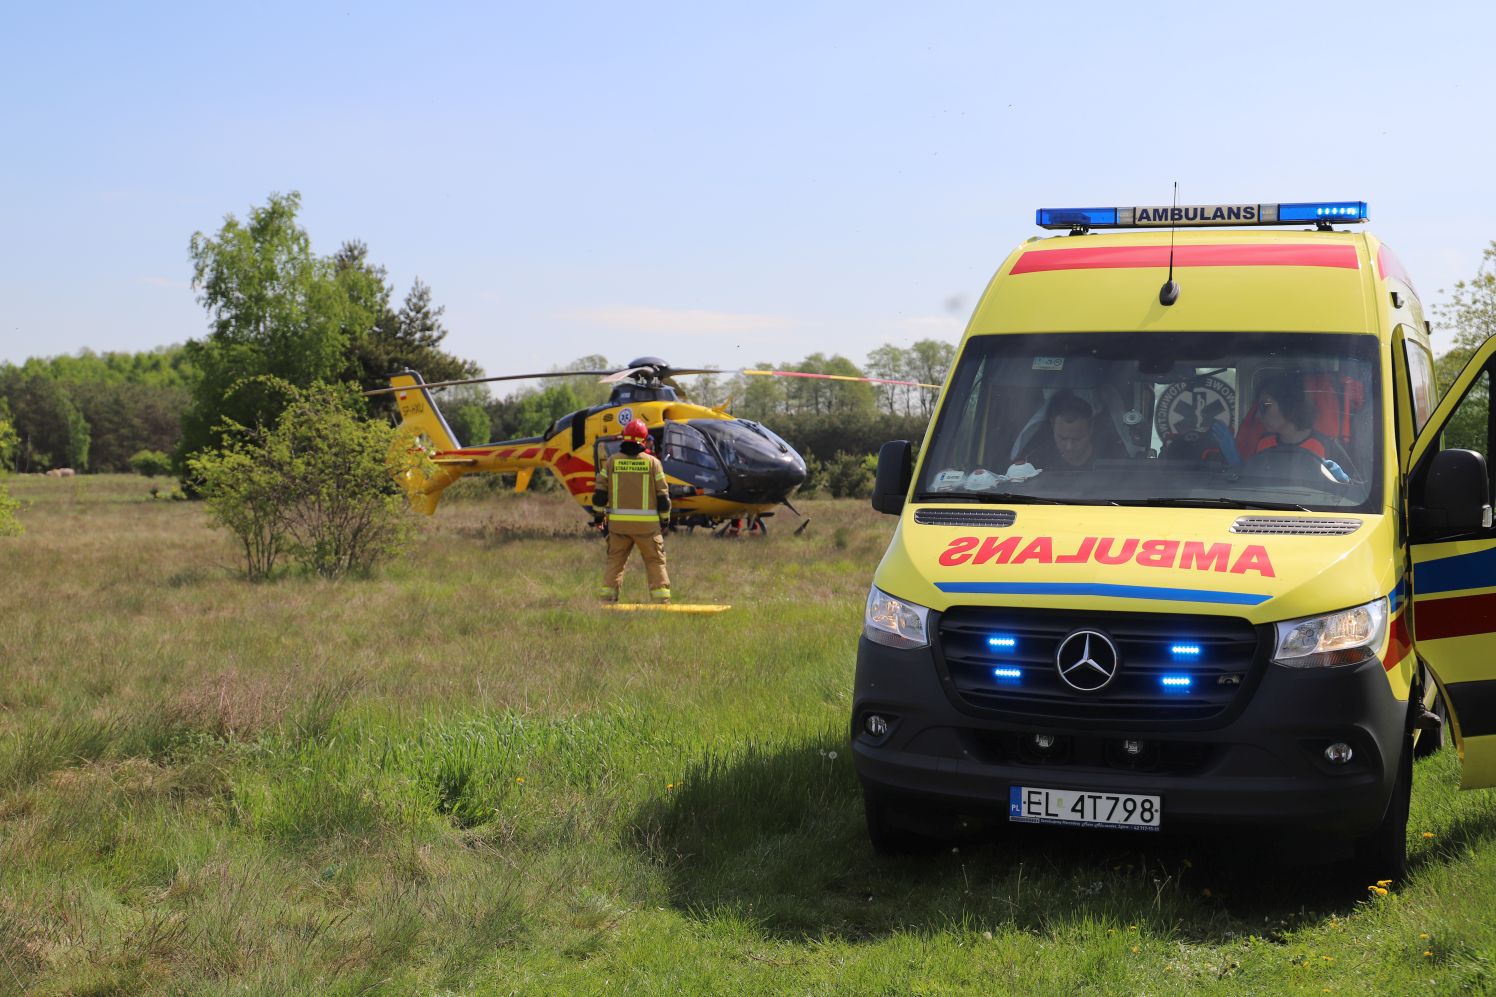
[
  {"x": 1453, "y": 497},
  {"x": 895, "y": 471}
]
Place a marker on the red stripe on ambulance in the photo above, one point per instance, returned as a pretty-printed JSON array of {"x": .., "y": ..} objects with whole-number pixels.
[
  {"x": 1233, "y": 255},
  {"x": 1459, "y": 616}
]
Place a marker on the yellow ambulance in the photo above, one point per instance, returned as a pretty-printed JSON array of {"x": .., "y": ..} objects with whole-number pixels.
[{"x": 1192, "y": 542}]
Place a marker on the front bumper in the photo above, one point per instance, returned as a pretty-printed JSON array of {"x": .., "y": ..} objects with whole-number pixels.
[{"x": 1262, "y": 764}]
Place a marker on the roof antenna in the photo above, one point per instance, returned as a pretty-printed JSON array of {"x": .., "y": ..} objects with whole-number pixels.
[{"x": 1169, "y": 293}]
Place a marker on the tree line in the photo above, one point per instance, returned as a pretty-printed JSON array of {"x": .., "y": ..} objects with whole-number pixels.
[{"x": 280, "y": 314}]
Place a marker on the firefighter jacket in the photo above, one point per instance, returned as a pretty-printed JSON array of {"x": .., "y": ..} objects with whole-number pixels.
[{"x": 637, "y": 495}]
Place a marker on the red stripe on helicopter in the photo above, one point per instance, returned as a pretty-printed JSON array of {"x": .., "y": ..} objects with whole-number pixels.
[
  {"x": 1399, "y": 643},
  {"x": 572, "y": 465},
  {"x": 1460, "y": 616},
  {"x": 1230, "y": 255}
]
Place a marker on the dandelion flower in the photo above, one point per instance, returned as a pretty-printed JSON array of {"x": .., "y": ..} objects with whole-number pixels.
[
  {"x": 1423, "y": 935},
  {"x": 669, "y": 786},
  {"x": 1428, "y": 953},
  {"x": 1328, "y": 958},
  {"x": 1134, "y": 950},
  {"x": 1384, "y": 882},
  {"x": 520, "y": 779},
  {"x": 1429, "y": 834}
]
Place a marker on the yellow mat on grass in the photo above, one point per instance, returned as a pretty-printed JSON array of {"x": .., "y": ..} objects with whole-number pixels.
[{"x": 662, "y": 607}]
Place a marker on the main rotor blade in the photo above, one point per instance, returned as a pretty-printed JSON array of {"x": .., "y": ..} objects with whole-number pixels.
[
  {"x": 837, "y": 377},
  {"x": 484, "y": 380},
  {"x": 661, "y": 372}
]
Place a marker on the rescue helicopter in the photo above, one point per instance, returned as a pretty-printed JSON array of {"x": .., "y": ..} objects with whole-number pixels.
[{"x": 724, "y": 473}]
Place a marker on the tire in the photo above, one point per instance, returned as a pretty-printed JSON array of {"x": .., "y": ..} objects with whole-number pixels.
[
  {"x": 1383, "y": 853},
  {"x": 893, "y": 831}
]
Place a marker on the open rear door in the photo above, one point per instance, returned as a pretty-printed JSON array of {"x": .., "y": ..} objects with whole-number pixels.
[{"x": 1454, "y": 561}]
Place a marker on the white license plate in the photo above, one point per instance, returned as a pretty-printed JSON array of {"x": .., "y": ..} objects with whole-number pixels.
[{"x": 1078, "y": 808}]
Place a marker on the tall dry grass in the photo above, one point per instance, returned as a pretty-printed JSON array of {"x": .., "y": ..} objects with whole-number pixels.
[{"x": 460, "y": 776}]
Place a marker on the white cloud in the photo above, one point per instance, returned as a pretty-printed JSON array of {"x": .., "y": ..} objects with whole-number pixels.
[
  {"x": 166, "y": 282},
  {"x": 949, "y": 326},
  {"x": 677, "y": 321}
]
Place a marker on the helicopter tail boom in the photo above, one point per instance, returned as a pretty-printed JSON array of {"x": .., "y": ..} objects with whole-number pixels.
[{"x": 419, "y": 412}]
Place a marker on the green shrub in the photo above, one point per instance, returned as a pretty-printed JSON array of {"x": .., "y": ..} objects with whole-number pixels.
[
  {"x": 849, "y": 475},
  {"x": 815, "y": 476},
  {"x": 319, "y": 486},
  {"x": 151, "y": 463},
  {"x": 10, "y": 526}
]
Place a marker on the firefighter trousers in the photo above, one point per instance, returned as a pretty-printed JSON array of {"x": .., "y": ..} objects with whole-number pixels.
[{"x": 651, "y": 548}]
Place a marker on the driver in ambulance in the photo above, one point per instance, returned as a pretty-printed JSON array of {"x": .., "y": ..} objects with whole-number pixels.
[
  {"x": 1071, "y": 444},
  {"x": 1287, "y": 415}
]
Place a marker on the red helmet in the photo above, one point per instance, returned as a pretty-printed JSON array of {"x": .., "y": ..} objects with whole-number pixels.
[{"x": 636, "y": 430}]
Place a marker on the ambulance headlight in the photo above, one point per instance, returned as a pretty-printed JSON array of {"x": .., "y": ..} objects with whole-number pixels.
[
  {"x": 1348, "y": 637},
  {"x": 894, "y": 622}
]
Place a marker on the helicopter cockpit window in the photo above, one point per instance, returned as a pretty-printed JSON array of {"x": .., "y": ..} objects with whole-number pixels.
[
  {"x": 768, "y": 433},
  {"x": 1162, "y": 418},
  {"x": 686, "y": 444},
  {"x": 744, "y": 447}
]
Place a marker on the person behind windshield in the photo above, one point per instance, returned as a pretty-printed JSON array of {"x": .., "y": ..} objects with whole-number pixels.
[
  {"x": 1287, "y": 415},
  {"x": 1071, "y": 444}
]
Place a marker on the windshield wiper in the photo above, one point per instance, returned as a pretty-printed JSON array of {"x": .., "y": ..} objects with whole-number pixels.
[
  {"x": 1220, "y": 502},
  {"x": 988, "y": 498}
]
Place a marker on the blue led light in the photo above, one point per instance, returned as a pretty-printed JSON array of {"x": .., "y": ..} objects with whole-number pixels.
[
  {"x": 1006, "y": 643},
  {"x": 1075, "y": 217},
  {"x": 1323, "y": 211},
  {"x": 1319, "y": 213},
  {"x": 1185, "y": 650},
  {"x": 1008, "y": 674},
  {"x": 1176, "y": 683}
]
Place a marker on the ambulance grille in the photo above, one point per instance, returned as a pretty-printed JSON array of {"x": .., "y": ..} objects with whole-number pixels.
[
  {"x": 996, "y": 518},
  {"x": 1003, "y": 660},
  {"x": 1291, "y": 526}
]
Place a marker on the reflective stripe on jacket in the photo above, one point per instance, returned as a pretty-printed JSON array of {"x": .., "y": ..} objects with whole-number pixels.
[{"x": 633, "y": 483}]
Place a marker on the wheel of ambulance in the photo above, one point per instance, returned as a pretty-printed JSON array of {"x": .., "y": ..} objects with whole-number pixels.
[
  {"x": 892, "y": 830},
  {"x": 1383, "y": 853}
]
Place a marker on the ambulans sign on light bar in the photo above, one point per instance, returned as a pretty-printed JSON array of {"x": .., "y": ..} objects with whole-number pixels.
[{"x": 1203, "y": 215}]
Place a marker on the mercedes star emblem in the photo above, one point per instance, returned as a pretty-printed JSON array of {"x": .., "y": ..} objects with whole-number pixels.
[{"x": 1087, "y": 660}]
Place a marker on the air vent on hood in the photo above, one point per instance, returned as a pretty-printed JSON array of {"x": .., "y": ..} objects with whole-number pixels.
[
  {"x": 1293, "y": 526},
  {"x": 996, "y": 518}
]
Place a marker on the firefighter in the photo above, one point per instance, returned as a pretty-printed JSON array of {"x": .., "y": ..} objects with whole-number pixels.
[{"x": 631, "y": 491}]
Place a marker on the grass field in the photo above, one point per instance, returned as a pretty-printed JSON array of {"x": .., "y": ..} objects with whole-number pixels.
[{"x": 459, "y": 776}]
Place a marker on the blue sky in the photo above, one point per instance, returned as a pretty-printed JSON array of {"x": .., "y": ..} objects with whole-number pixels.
[{"x": 716, "y": 185}]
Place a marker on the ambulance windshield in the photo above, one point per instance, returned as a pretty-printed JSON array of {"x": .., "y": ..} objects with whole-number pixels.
[{"x": 1256, "y": 420}]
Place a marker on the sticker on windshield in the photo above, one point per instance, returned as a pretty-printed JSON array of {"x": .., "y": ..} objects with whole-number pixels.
[
  {"x": 949, "y": 480},
  {"x": 1049, "y": 363},
  {"x": 1191, "y": 406}
]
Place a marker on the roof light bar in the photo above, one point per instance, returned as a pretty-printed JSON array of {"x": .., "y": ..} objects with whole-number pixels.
[{"x": 1203, "y": 215}]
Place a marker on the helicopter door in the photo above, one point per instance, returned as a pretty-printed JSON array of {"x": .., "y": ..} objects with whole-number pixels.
[{"x": 688, "y": 457}]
